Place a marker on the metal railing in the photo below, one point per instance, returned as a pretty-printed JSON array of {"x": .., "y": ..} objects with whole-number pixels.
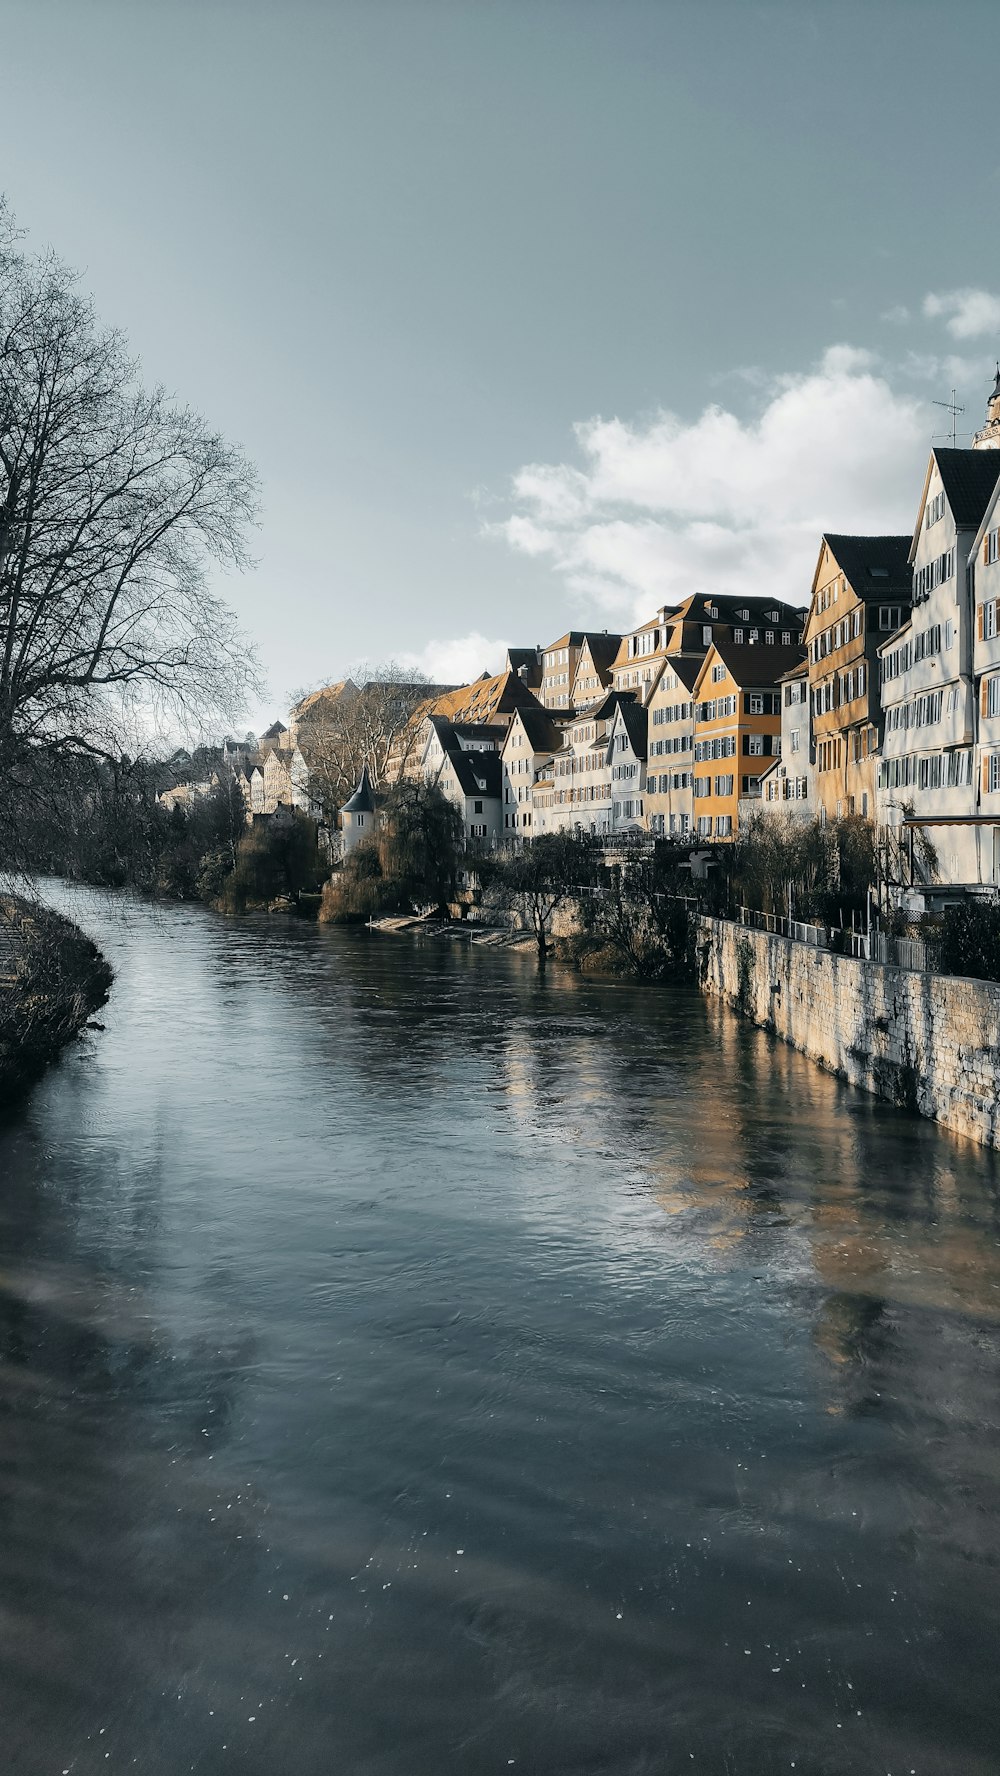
[
  {"x": 779, "y": 926},
  {"x": 868, "y": 946}
]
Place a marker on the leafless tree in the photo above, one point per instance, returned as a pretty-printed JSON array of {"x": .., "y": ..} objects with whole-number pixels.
[
  {"x": 115, "y": 504},
  {"x": 365, "y": 722}
]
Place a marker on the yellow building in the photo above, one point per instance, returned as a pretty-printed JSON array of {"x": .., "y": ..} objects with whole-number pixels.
[
  {"x": 737, "y": 732},
  {"x": 860, "y": 596}
]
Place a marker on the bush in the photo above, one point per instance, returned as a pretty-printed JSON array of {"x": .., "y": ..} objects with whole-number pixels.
[
  {"x": 970, "y": 940},
  {"x": 358, "y": 890},
  {"x": 277, "y": 858}
]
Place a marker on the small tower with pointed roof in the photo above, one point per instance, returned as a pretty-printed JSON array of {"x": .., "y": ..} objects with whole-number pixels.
[
  {"x": 357, "y": 816},
  {"x": 989, "y": 437}
]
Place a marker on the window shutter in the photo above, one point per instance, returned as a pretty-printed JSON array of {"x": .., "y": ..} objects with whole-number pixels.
[
  {"x": 984, "y": 697},
  {"x": 980, "y": 624},
  {"x": 746, "y": 744}
]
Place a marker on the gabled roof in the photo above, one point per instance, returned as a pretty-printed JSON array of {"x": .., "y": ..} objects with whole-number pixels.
[
  {"x": 990, "y": 514},
  {"x": 542, "y": 733},
  {"x": 635, "y": 721},
  {"x": 485, "y": 698},
  {"x": 873, "y": 566},
  {"x": 686, "y": 668},
  {"x": 603, "y": 649},
  {"x": 969, "y": 478},
  {"x": 606, "y": 710},
  {"x": 478, "y": 773},
  {"x": 531, "y": 658},
  {"x": 324, "y": 700},
  {"x": 362, "y": 801},
  {"x": 758, "y": 666},
  {"x": 449, "y": 732}
]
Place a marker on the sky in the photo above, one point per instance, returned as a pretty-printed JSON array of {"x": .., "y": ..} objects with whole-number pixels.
[{"x": 532, "y": 313}]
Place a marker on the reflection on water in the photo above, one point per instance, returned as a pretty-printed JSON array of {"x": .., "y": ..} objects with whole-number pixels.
[{"x": 413, "y": 1368}]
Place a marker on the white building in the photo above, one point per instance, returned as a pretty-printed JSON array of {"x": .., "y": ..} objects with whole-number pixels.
[
  {"x": 789, "y": 785},
  {"x": 984, "y": 569},
  {"x": 530, "y": 744},
  {"x": 627, "y": 757},
  {"x": 573, "y": 790},
  {"x": 463, "y": 760},
  {"x": 928, "y": 690}
]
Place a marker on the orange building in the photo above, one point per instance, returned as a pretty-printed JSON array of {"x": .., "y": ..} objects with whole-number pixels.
[
  {"x": 737, "y": 729},
  {"x": 860, "y": 596}
]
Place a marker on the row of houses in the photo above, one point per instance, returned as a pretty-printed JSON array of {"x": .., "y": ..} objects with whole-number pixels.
[{"x": 878, "y": 695}]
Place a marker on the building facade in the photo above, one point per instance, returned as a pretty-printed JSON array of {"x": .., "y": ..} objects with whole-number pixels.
[{"x": 860, "y": 596}]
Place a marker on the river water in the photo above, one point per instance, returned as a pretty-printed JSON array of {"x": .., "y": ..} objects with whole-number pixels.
[{"x": 411, "y": 1368}]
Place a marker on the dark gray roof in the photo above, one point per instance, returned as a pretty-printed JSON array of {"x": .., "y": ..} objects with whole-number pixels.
[
  {"x": 757, "y": 666},
  {"x": 873, "y": 565},
  {"x": 478, "y": 773},
  {"x": 635, "y": 722},
  {"x": 685, "y": 667},
  {"x": 362, "y": 801},
  {"x": 540, "y": 728},
  {"x": 968, "y": 478},
  {"x": 606, "y": 709}
]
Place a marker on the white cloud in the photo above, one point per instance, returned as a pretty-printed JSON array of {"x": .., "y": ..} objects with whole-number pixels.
[
  {"x": 898, "y": 316},
  {"x": 967, "y": 314},
  {"x": 458, "y": 661},
  {"x": 664, "y": 508}
]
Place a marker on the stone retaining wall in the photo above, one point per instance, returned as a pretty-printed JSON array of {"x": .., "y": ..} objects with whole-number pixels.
[{"x": 928, "y": 1042}]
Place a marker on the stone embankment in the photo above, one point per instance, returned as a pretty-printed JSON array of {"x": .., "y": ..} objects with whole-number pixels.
[
  {"x": 927, "y": 1042},
  {"x": 52, "y": 980}
]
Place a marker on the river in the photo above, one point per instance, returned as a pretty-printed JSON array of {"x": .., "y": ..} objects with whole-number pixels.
[{"x": 409, "y": 1367}]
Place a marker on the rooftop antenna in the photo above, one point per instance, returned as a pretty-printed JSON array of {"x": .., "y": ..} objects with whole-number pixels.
[{"x": 954, "y": 409}]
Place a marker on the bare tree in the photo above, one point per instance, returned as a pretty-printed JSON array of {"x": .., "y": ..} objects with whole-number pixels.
[
  {"x": 115, "y": 502},
  {"x": 537, "y": 881},
  {"x": 366, "y": 722}
]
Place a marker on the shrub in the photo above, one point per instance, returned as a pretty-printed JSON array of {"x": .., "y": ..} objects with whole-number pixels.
[{"x": 970, "y": 940}]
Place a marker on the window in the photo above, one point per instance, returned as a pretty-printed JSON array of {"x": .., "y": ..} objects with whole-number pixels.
[
  {"x": 754, "y": 745},
  {"x": 889, "y": 616},
  {"x": 991, "y": 546},
  {"x": 724, "y": 826},
  {"x": 769, "y": 636},
  {"x": 738, "y": 637},
  {"x": 718, "y": 674},
  {"x": 936, "y": 572},
  {"x": 705, "y": 826},
  {"x": 477, "y": 807},
  {"x": 724, "y": 786},
  {"x": 706, "y": 634},
  {"x": 786, "y": 638},
  {"x": 754, "y": 636},
  {"x": 988, "y": 620},
  {"x": 934, "y": 510},
  {"x": 949, "y": 634},
  {"x": 755, "y": 704},
  {"x": 991, "y": 696}
]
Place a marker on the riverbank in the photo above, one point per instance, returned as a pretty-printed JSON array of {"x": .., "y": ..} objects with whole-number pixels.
[{"x": 52, "y": 980}]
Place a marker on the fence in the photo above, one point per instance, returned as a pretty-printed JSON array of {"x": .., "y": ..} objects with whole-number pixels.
[{"x": 868, "y": 946}]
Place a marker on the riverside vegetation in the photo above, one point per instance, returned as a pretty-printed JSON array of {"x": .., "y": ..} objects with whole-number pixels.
[{"x": 117, "y": 505}]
